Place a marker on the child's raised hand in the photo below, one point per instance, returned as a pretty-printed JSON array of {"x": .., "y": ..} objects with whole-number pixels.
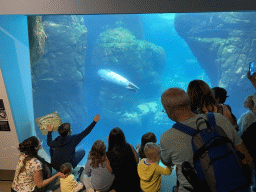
[
  {"x": 97, "y": 118},
  {"x": 251, "y": 78},
  {"x": 49, "y": 127}
]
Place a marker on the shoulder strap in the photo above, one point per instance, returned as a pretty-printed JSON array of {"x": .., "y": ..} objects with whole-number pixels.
[
  {"x": 185, "y": 129},
  {"x": 211, "y": 119},
  {"x": 43, "y": 161}
]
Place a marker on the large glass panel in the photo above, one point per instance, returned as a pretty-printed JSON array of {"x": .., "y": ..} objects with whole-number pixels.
[
  {"x": 70, "y": 55},
  {"x": 78, "y": 63},
  {"x": 152, "y": 51}
]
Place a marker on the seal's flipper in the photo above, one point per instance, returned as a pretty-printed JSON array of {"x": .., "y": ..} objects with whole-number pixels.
[
  {"x": 133, "y": 86},
  {"x": 131, "y": 89}
]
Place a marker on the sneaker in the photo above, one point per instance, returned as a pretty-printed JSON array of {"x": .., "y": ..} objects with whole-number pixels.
[{"x": 80, "y": 173}]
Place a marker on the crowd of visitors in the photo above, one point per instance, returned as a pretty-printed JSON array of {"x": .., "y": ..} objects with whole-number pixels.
[{"x": 203, "y": 124}]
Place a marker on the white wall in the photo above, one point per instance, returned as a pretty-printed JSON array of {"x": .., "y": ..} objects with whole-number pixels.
[
  {"x": 16, "y": 88},
  {"x": 8, "y": 139}
]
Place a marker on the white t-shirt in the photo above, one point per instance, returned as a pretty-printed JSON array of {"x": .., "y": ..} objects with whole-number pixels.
[
  {"x": 176, "y": 146},
  {"x": 245, "y": 121}
]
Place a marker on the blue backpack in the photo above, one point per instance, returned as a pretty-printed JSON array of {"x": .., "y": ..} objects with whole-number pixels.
[{"x": 215, "y": 158}]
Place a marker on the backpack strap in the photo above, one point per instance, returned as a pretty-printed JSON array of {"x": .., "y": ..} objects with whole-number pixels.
[
  {"x": 185, "y": 129},
  {"x": 211, "y": 119}
]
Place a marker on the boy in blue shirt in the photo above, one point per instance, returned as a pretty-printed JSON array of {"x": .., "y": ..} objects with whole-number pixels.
[{"x": 62, "y": 149}]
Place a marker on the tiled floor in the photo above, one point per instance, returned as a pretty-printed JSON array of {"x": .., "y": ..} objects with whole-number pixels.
[
  {"x": 5, "y": 186},
  {"x": 167, "y": 183}
]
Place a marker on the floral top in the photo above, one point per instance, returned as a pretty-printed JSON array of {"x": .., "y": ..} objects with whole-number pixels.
[{"x": 25, "y": 181}]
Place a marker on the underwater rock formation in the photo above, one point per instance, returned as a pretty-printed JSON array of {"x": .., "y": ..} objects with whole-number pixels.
[
  {"x": 37, "y": 38},
  {"x": 224, "y": 44},
  {"x": 139, "y": 61},
  {"x": 58, "y": 76},
  {"x": 152, "y": 111}
]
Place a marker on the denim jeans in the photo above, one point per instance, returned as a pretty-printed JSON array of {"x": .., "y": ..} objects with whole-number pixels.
[{"x": 79, "y": 155}]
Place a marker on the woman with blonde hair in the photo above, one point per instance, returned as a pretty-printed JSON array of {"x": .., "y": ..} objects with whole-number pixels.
[
  {"x": 202, "y": 100},
  {"x": 28, "y": 175},
  {"x": 96, "y": 175}
]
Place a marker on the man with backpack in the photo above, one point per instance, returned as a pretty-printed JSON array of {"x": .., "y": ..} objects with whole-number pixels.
[{"x": 208, "y": 142}]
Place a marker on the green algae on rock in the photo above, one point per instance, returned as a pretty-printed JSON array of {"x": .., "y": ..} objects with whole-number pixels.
[
  {"x": 58, "y": 76},
  {"x": 37, "y": 38},
  {"x": 139, "y": 61}
]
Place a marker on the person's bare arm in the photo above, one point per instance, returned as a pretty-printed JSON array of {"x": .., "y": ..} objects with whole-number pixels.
[
  {"x": 135, "y": 154},
  {"x": 166, "y": 164},
  {"x": 38, "y": 178},
  {"x": 227, "y": 114},
  {"x": 248, "y": 159},
  {"x": 108, "y": 165},
  {"x": 137, "y": 148},
  {"x": 252, "y": 78}
]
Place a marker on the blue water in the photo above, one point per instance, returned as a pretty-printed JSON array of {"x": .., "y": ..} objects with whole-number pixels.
[{"x": 181, "y": 67}]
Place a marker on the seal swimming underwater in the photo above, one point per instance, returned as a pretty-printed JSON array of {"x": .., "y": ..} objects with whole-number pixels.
[{"x": 113, "y": 77}]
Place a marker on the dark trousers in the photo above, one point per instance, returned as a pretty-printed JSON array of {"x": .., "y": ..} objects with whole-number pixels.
[{"x": 79, "y": 155}]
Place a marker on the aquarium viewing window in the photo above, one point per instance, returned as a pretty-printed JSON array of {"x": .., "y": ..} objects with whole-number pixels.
[
  {"x": 78, "y": 60},
  {"x": 118, "y": 65},
  {"x": 151, "y": 51}
]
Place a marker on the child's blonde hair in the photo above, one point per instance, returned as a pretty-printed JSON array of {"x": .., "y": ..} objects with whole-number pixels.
[
  {"x": 151, "y": 149},
  {"x": 66, "y": 168},
  {"x": 147, "y": 137}
]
